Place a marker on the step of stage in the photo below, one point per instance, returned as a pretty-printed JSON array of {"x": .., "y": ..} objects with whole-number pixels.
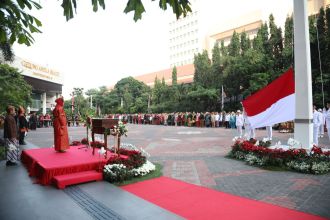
[{"x": 75, "y": 178}]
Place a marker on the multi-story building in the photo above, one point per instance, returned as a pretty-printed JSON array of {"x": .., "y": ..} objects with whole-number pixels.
[
  {"x": 212, "y": 22},
  {"x": 184, "y": 39},
  {"x": 46, "y": 84}
]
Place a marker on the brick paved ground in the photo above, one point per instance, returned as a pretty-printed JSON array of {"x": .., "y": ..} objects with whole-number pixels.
[{"x": 197, "y": 155}]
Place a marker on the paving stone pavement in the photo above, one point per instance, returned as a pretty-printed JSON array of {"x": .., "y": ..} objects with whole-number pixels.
[{"x": 197, "y": 156}]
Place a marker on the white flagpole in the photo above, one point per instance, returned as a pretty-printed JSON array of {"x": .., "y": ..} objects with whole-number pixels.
[{"x": 303, "y": 130}]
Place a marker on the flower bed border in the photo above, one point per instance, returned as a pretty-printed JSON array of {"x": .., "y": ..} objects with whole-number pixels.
[{"x": 315, "y": 162}]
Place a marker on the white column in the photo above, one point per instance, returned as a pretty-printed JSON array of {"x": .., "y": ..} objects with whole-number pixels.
[
  {"x": 44, "y": 100},
  {"x": 303, "y": 130}
]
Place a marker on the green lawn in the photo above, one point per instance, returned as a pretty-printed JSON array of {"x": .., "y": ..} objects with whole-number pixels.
[{"x": 156, "y": 173}]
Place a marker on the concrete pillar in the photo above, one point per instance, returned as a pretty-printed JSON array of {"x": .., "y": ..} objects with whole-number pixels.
[
  {"x": 44, "y": 101},
  {"x": 303, "y": 131}
]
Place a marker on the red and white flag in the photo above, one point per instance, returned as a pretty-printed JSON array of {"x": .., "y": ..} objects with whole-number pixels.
[{"x": 272, "y": 104}]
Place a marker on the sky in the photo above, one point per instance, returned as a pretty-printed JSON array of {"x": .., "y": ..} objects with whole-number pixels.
[{"x": 98, "y": 49}]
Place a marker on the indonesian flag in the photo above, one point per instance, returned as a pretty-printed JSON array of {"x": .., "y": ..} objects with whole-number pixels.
[{"x": 272, "y": 104}]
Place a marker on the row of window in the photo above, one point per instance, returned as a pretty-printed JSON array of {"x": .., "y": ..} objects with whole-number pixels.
[
  {"x": 183, "y": 36},
  {"x": 184, "y": 53},
  {"x": 184, "y": 62},
  {"x": 183, "y": 27},
  {"x": 185, "y": 44}
]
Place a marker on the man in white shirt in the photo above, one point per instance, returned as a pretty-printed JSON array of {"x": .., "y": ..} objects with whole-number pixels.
[
  {"x": 327, "y": 119},
  {"x": 217, "y": 119},
  {"x": 227, "y": 118},
  {"x": 317, "y": 119},
  {"x": 249, "y": 131},
  {"x": 239, "y": 123},
  {"x": 321, "y": 131},
  {"x": 269, "y": 130}
]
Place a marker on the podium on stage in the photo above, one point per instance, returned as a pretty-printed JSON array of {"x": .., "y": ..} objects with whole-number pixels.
[{"x": 99, "y": 126}]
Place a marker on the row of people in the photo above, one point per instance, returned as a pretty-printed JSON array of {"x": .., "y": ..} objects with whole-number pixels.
[
  {"x": 190, "y": 119},
  {"x": 321, "y": 119},
  {"x": 38, "y": 121}
]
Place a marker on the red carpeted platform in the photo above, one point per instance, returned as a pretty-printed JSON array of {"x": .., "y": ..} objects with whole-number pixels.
[
  {"x": 45, "y": 163},
  {"x": 195, "y": 202}
]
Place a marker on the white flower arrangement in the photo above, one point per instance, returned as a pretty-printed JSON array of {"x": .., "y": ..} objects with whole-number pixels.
[
  {"x": 110, "y": 167},
  {"x": 102, "y": 151},
  {"x": 299, "y": 166},
  {"x": 265, "y": 139},
  {"x": 146, "y": 168},
  {"x": 253, "y": 159},
  {"x": 321, "y": 167},
  {"x": 293, "y": 143}
]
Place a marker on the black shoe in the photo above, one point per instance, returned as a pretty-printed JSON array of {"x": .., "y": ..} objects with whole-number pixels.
[{"x": 9, "y": 163}]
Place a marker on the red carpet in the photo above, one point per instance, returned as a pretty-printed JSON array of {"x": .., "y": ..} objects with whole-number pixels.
[
  {"x": 195, "y": 202},
  {"x": 45, "y": 163}
]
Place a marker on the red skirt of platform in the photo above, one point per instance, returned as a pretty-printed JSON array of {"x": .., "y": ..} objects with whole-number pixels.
[{"x": 45, "y": 163}]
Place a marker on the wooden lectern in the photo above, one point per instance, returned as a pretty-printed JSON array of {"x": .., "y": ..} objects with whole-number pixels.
[{"x": 98, "y": 127}]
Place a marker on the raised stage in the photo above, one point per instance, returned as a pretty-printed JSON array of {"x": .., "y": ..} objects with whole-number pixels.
[{"x": 46, "y": 163}]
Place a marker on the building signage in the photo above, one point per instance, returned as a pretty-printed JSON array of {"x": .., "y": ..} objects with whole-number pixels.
[{"x": 37, "y": 71}]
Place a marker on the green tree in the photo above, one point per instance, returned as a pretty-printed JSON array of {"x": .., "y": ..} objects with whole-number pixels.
[
  {"x": 130, "y": 89},
  {"x": 179, "y": 7},
  {"x": 327, "y": 58},
  {"x": 174, "y": 76},
  {"x": 202, "y": 99},
  {"x": 245, "y": 43},
  {"x": 319, "y": 56},
  {"x": 288, "y": 43},
  {"x": 257, "y": 82},
  {"x": 16, "y": 25},
  {"x": 202, "y": 75},
  {"x": 223, "y": 49},
  {"x": 276, "y": 47},
  {"x": 79, "y": 101},
  {"x": 14, "y": 90},
  {"x": 216, "y": 67},
  {"x": 234, "y": 46}
]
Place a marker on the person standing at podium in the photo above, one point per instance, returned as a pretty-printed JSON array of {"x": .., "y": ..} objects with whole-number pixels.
[{"x": 61, "y": 138}]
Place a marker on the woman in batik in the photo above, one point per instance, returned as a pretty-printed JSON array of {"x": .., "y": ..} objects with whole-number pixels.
[{"x": 10, "y": 136}]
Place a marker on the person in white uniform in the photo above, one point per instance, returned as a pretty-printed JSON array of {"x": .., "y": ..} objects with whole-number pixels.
[
  {"x": 317, "y": 119},
  {"x": 321, "y": 131},
  {"x": 249, "y": 131},
  {"x": 327, "y": 119},
  {"x": 269, "y": 130},
  {"x": 239, "y": 123}
]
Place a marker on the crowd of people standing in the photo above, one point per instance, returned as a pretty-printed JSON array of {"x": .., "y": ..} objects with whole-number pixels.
[{"x": 229, "y": 120}]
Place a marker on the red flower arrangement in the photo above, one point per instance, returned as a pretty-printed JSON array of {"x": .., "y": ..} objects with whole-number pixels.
[
  {"x": 316, "y": 161},
  {"x": 247, "y": 146},
  {"x": 75, "y": 143},
  {"x": 84, "y": 141},
  {"x": 97, "y": 144},
  {"x": 135, "y": 158}
]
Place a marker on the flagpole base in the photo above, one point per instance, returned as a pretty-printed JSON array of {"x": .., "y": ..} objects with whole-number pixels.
[{"x": 303, "y": 132}]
